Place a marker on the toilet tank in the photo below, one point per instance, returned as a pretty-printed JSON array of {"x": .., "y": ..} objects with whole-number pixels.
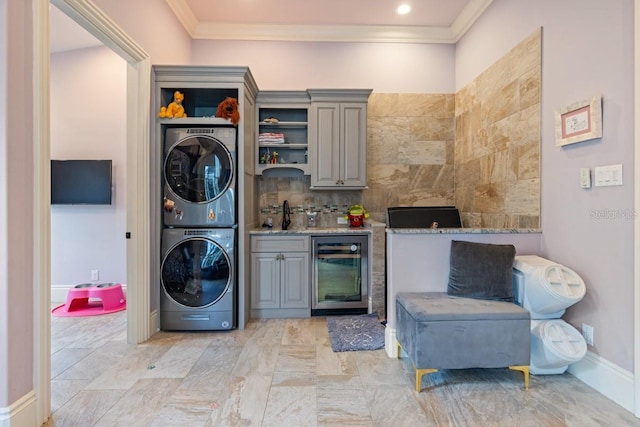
[{"x": 544, "y": 287}]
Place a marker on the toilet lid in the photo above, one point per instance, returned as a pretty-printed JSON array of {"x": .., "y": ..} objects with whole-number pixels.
[
  {"x": 563, "y": 340},
  {"x": 563, "y": 282}
]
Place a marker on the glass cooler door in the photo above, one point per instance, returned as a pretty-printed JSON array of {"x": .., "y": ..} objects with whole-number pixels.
[{"x": 340, "y": 272}]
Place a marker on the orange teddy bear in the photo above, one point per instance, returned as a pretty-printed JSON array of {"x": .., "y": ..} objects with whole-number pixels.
[
  {"x": 175, "y": 109},
  {"x": 228, "y": 109}
]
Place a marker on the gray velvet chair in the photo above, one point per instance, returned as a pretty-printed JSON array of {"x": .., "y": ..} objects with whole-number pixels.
[{"x": 475, "y": 324}]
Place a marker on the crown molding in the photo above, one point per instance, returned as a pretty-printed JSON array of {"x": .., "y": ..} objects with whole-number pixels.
[
  {"x": 468, "y": 17},
  {"x": 184, "y": 14},
  {"x": 323, "y": 33},
  {"x": 328, "y": 33}
]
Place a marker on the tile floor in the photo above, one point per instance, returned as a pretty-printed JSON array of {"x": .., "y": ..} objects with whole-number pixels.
[{"x": 284, "y": 373}]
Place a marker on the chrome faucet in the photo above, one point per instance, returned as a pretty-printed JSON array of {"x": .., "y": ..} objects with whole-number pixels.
[{"x": 286, "y": 215}]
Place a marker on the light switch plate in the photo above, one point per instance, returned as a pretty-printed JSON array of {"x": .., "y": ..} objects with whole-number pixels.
[
  {"x": 608, "y": 175},
  {"x": 585, "y": 178}
]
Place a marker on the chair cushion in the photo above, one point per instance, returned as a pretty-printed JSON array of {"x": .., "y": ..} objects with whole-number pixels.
[
  {"x": 481, "y": 270},
  {"x": 438, "y": 306}
]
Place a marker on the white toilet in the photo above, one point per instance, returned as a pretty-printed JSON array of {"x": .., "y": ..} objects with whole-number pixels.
[{"x": 546, "y": 289}]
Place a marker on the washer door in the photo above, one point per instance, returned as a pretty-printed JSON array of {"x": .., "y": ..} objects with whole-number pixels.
[
  {"x": 198, "y": 169},
  {"x": 196, "y": 273}
]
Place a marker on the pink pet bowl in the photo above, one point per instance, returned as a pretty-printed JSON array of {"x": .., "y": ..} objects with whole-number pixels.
[{"x": 88, "y": 299}]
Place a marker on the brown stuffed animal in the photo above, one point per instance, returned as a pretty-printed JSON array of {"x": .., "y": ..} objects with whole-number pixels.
[{"x": 228, "y": 109}]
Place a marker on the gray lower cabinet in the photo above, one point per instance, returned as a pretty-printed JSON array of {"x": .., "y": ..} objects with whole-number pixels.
[{"x": 280, "y": 277}]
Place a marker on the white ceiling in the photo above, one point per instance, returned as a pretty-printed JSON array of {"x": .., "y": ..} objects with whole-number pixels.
[{"x": 430, "y": 21}]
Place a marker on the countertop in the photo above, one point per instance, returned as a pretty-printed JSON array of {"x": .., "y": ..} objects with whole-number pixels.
[
  {"x": 463, "y": 230},
  {"x": 369, "y": 225}
]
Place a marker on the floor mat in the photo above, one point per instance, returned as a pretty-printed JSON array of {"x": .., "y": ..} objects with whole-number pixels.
[{"x": 355, "y": 333}]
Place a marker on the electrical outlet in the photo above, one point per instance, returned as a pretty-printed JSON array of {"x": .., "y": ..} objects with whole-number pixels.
[
  {"x": 342, "y": 220},
  {"x": 95, "y": 275},
  {"x": 587, "y": 333}
]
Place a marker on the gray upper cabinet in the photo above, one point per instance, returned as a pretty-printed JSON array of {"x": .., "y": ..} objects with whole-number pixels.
[{"x": 338, "y": 138}]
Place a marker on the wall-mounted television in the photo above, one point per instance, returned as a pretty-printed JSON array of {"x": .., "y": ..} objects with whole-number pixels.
[{"x": 80, "y": 182}]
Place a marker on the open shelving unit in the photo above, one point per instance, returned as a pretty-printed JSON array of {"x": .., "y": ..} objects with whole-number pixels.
[{"x": 283, "y": 137}]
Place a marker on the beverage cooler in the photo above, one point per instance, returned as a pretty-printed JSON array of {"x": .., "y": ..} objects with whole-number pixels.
[{"x": 340, "y": 274}]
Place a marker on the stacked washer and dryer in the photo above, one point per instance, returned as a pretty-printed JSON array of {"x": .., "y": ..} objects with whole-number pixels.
[
  {"x": 546, "y": 289},
  {"x": 198, "y": 265}
]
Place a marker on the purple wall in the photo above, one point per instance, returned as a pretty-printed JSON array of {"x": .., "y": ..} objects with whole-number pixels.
[
  {"x": 17, "y": 197},
  {"x": 89, "y": 130},
  {"x": 386, "y": 67},
  {"x": 153, "y": 26},
  {"x": 587, "y": 50}
]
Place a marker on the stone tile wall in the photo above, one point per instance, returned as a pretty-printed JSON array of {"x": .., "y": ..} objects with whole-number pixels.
[
  {"x": 378, "y": 280},
  {"x": 410, "y": 151},
  {"x": 497, "y": 142}
]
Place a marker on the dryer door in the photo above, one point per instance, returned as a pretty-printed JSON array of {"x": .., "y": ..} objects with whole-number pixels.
[
  {"x": 198, "y": 169},
  {"x": 196, "y": 273}
]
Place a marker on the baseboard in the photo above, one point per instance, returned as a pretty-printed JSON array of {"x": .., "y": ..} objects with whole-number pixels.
[
  {"x": 608, "y": 379},
  {"x": 59, "y": 292},
  {"x": 390, "y": 343},
  {"x": 21, "y": 413},
  {"x": 154, "y": 322}
]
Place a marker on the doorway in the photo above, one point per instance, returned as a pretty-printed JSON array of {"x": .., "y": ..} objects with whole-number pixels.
[
  {"x": 88, "y": 152},
  {"x": 88, "y": 146},
  {"x": 139, "y": 318}
]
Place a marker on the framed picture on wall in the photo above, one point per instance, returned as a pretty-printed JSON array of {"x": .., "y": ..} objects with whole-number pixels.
[{"x": 580, "y": 121}]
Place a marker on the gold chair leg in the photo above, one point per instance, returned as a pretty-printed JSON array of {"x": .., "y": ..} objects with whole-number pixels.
[
  {"x": 525, "y": 370},
  {"x": 419, "y": 374}
]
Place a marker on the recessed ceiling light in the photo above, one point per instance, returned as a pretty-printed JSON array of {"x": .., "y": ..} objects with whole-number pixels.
[{"x": 403, "y": 9}]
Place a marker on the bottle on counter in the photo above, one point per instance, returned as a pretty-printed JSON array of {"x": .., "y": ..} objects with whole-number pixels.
[{"x": 311, "y": 218}]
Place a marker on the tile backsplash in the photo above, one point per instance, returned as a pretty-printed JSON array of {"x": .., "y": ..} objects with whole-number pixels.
[{"x": 329, "y": 205}]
